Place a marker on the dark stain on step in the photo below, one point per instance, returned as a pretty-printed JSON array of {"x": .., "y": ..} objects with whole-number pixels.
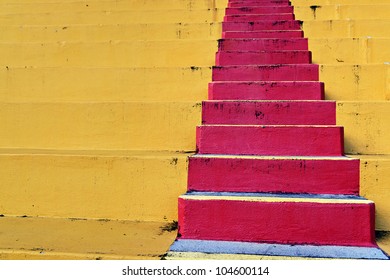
[
  {"x": 259, "y": 115},
  {"x": 356, "y": 73},
  {"x": 314, "y": 9},
  {"x": 245, "y": 9},
  {"x": 173, "y": 161},
  {"x": 169, "y": 227}
]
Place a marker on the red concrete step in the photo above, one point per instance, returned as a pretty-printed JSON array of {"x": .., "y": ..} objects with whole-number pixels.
[
  {"x": 242, "y": 18},
  {"x": 263, "y": 44},
  {"x": 283, "y": 219},
  {"x": 270, "y": 140},
  {"x": 314, "y": 175},
  {"x": 258, "y": 3},
  {"x": 224, "y": 58},
  {"x": 287, "y": 72},
  {"x": 263, "y": 34},
  {"x": 261, "y": 25},
  {"x": 269, "y": 112},
  {"x": 283, "y": 90},
  {"x": 259, "y": 10}
]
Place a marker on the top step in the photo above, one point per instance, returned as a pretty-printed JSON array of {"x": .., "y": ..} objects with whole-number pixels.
[{"x": 263, "y": 3}]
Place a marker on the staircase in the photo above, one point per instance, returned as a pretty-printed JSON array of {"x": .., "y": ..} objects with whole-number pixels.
[
  {"x": 270, "y": 178},
  {"x": 99, "y": 100}
]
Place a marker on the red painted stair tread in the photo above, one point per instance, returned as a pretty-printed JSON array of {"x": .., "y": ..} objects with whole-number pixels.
[
  {"x": 224, "y": 58},
  {"x": 271, "y": 90},
  {"x": 277, "y": 222},
  {"x": 263, "y": 34},
  {"x": 338, "y": 175},
  {"x": 263, "y": 44},
  {"x": 269, "y": 113},
  {"x": 270, "y": 140},
  {"x": 255, "y": 17},
  {"x": 259, "y": 10},
  {"x": 261, "y": 25},
  {"x": 280, "y": 72}
]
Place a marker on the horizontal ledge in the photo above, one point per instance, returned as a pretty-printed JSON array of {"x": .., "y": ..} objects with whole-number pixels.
[{"x": 93, "y": 153}]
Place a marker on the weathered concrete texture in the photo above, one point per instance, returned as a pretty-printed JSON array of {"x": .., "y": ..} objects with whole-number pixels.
[
  {"x": 269, "y": 112},
  {"x": 73, "y": 238},
  {"x": 260, "y": 25},
  {"x": 39, "y": 6},
  {"x": 286, "y": 219},
  {"x": 250, "y": 248},
  {"x": 115, "y": 17},
  {"x": 262, "y": 3},
  {"x": 259, "y": 10},
  {"x": 240, "y": 57},
  {"x": 263, "y": 44},
  {"x": 280, "y": 72},
  {"x": 264, "y": 34},
  {"x": 270, "y": 140},
  {"x": 366, "y": 127},
  {"x": 154, "y": 126},
  {"x": 60, "y": 183},
  {"x": 238, "y": 18},
  {"x": 282, "y": 90},
  {"x": 330, "y": 175}
]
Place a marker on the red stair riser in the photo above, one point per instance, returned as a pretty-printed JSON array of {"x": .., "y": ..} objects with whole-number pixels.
[
  {"x": 260, "y": 25},
  {"x": 288, "y": 72},
  {"x": 270, "y": 140},
  {"x": 263, "y": 34},
  {"x": 224, "y": 58},
  {"x": 263, "y": 44},
  {"x": 266, "y": 91},
  {"x": 284, "y": 222},
  {"x": 269, "y": 113},
  {"x": 260, "y": 10},
  {"x": 241, "y": 18},
  {"x": 319, "y": 176},
  {"x": 258, "y": 4}
]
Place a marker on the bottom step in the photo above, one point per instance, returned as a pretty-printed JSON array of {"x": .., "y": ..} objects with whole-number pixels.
[
  {"x": 204, "y": 249},
  {"x": 335, "y": 220}
]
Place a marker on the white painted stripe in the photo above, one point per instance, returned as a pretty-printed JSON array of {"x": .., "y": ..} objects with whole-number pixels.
[
  {"x": 277, "y": 199},
  {"x": 274, "y": 157}
]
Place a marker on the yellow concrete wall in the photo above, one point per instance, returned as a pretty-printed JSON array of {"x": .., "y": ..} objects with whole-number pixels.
[{"x": 99, "y": 102}]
